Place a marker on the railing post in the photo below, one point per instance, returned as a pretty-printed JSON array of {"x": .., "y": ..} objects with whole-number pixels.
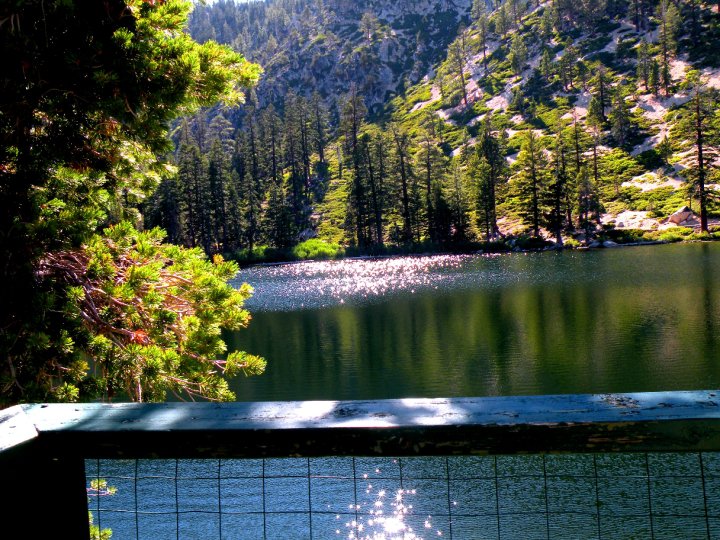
[
  {"x": 45, "y": 493},
  {"x": 46, "y": 496}
]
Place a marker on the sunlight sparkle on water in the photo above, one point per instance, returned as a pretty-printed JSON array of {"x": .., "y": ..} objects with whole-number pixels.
[
  {"x": 325, "y": 283},
  {"x": 375, "y": 523}
]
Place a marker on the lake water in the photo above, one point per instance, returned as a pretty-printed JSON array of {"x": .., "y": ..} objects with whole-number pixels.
[
  {"x": 640, "y": 318},
  {"x": 630, "y": 319}
]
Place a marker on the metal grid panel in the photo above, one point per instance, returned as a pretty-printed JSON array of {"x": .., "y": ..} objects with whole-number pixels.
[{"x": 576, "y": 496}]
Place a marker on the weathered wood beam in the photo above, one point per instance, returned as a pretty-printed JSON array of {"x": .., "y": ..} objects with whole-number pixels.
[{"x": 660, "y": 421}]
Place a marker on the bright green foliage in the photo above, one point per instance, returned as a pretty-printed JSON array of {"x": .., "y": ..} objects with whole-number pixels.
[
  {"x": 88, "y": 90},
  {"x": 147, "y": 318},
  {"x": 99, "y": 488},
  {"x": 317, "y": 249}
]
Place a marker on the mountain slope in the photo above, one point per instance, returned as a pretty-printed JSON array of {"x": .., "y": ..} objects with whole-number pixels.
[
  {"x": 325, "y": 46},
  {"x": 554, "y": 120}
]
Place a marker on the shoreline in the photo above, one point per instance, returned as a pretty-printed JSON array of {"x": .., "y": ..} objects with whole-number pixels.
[{"x": 498, "y": 248}]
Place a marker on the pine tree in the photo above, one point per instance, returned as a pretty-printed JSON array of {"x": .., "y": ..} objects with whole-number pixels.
[
  {"x": 699, "y": 128},
  {"x": 601, "y": 97},
  {"x": 319, "y": 137},
  {"x": 353, "y": 113},
  {"x": 644, "y": 64},
  {"x": 547, "y": 69},
  {"x": 588, "y": 203},
  {"x": 502, "y": 21},
  {"x": 294, "y": 157},
  {"x": 567, "y": 66},
  {"x": 547, "y": 23},
  {"x": 654, "y": 77},
  {"x": 219, "y": 180},
  {"x": 555, "y": 195},
  {"x": 483, "y": 26},
  {"x": 401, "y": 159},
  {"x": 252, "y": 189},
  {"x": 668, "y": 18},
  {"x": 222, "y": 130},
  {"x": 620, "y": 125},
  {"x": 531, "y": 179},
  {"x": 479, "y": 172},
  {"x": 488, "y": 169},
  {"x": 430, "y": 165},
  {"x": 478, "y": 9},
  {"x": 458, "y": 58},
  {"x": 192, "y": 182},
  {"x": 84, "y": 116},
  {"x": 459, "y": 203},
  {"x": 518, "y": 53}
]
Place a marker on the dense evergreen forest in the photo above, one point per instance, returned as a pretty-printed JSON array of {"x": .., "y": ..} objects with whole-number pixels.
[{"x": 371, "y": 128}]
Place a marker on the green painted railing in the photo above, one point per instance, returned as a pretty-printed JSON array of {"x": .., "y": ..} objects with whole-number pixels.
[{"x": 43, "y": 447}]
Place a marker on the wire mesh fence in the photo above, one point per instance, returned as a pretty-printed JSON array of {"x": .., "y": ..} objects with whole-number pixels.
[{"x": 569, "y": 496}]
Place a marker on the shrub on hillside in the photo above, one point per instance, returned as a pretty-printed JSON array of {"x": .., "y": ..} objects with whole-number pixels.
[{"x": 317, "y": 249}]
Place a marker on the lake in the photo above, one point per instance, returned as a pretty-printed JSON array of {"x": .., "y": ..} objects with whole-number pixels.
[
  {"x": 630, "y": 319},
  {"x": 639, "y": 318}
]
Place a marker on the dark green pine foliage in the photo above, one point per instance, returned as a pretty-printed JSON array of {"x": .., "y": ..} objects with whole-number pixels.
[
  {"x": 319, "y": 138},
  {"x": 374, "y": 158},
  {"x": 555, "y": 196},
  {"x": 88, "y": 92},
  {"x": 667, "y": 17},
  {"x": 698, "y": 129},
  {"x": 620, "y": 122},
  {"x": 600, "y": 100},
  {"x": 459, "y": 205},
  {"x": 278, "y": 223},
  {"x": 431, "y": 165},
  {"x": 644, "y": 64},
  {"x": 405, "y": 187},
  {"x": 352, "y": 117},
  {"x": 194, "y": 197},
  {"x": 488, "y": 168},
  {"x": 589, "y": 207},
  {"x": 252, "y": 185},
  {"x": 220, "y": 184},
  {"x": 531, "y": 180}
]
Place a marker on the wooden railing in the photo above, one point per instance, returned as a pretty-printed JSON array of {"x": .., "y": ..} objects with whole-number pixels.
[{"x": 43, "y": 447}]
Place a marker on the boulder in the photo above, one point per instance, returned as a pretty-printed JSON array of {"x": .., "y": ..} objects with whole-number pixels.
[
  {"x": 609, "y": 244},
  {"x": 595, "y": 244},
  {"x": 307, "y": 234},
  {"x": 680, "y": 215}
]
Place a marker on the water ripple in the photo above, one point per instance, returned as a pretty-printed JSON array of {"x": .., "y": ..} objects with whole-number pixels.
[{"x": 317, "y": 284}]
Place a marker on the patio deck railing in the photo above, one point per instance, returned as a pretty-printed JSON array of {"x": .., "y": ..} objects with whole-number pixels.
[{"x": 575, "y": 466}]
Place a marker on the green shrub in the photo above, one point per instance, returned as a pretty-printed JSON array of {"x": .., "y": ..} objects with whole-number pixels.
[
  {"x": 670, "y": 237},
  {"x": 675, "y": 235},
  {"x": 532, "y": 242},
  {"x": 571, "y": 243},
  {"x": 317, "y": 249}
]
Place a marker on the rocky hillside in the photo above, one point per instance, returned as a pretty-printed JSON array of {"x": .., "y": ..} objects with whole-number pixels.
[
  {"x": 326, "y": 46},
  {"x": 616, "y": 85}
]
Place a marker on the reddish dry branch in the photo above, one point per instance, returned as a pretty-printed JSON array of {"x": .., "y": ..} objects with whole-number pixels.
[{"x": 105, "y": 314}]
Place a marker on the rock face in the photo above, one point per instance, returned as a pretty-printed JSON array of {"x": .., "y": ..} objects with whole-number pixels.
[
  {"x": 680, "y": 215},
  {"x": 307, "y": 45}
]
